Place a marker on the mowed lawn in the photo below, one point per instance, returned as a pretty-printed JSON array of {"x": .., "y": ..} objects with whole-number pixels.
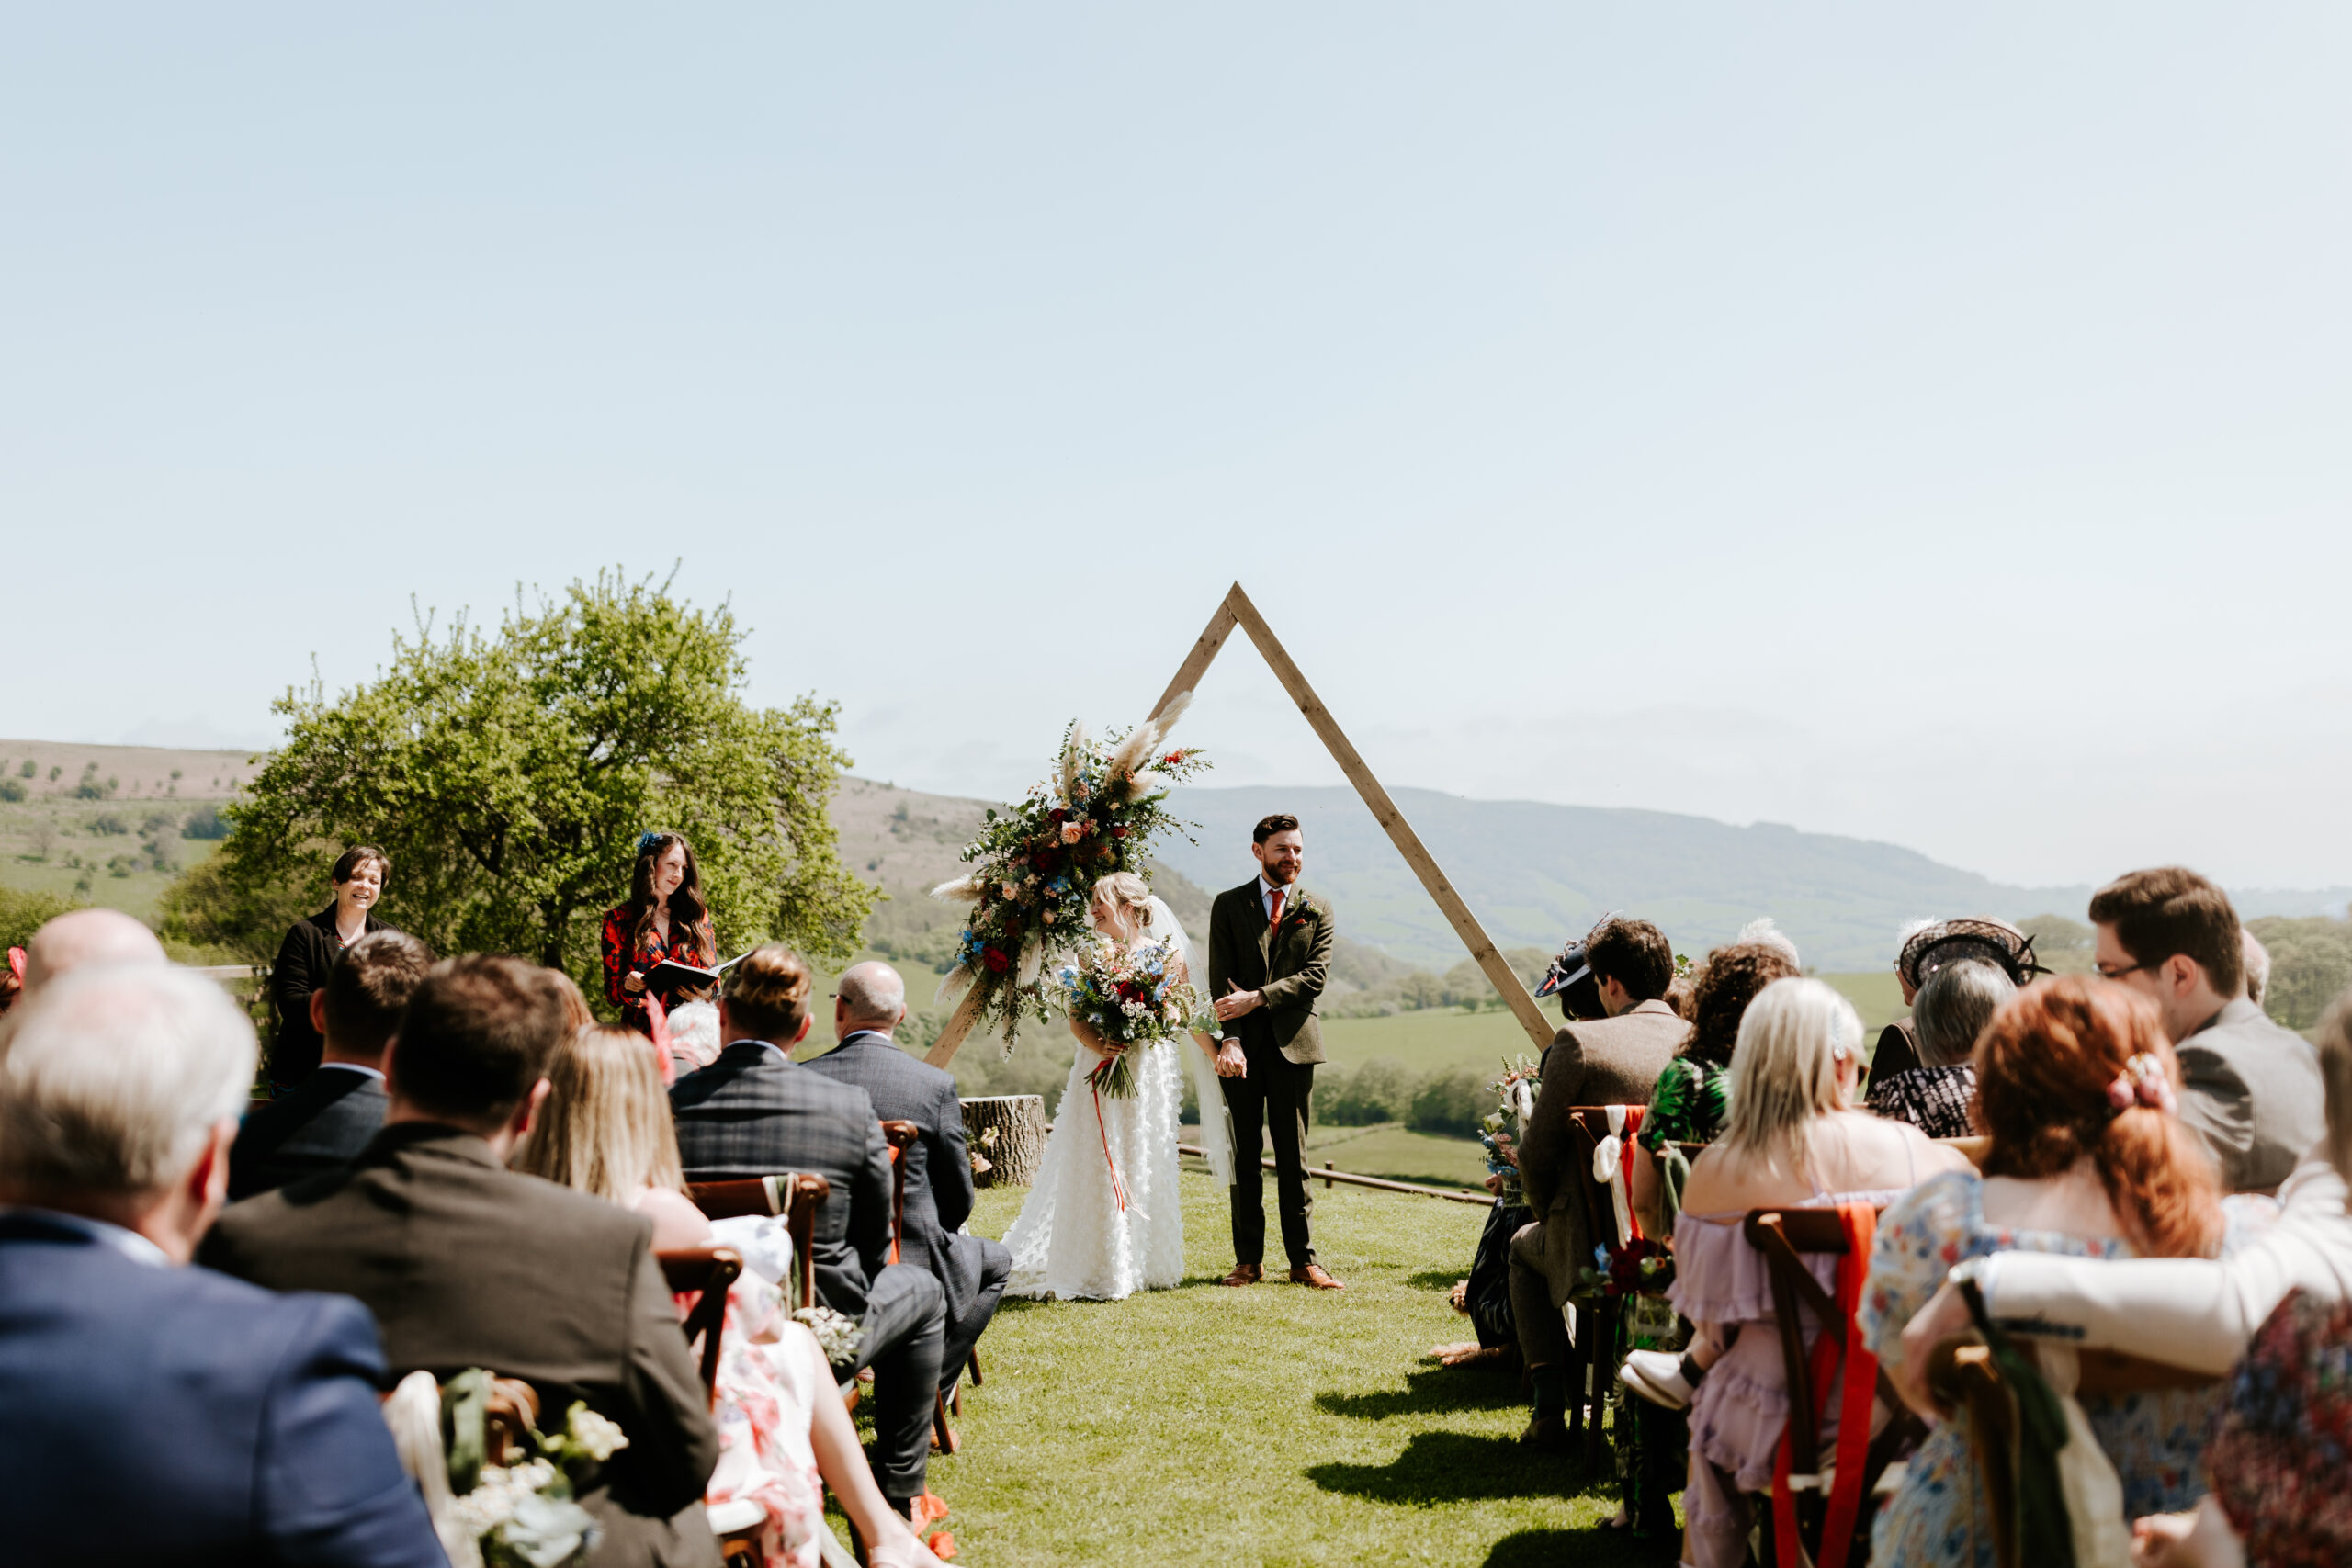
[{"x": 1267, "y": 1425}]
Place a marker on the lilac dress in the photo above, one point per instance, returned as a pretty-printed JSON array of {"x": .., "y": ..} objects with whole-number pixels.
[{"x": 1743, "y": 1406}]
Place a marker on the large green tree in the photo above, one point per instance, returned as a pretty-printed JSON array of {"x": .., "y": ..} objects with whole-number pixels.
[{"x": 509, "y": 774}]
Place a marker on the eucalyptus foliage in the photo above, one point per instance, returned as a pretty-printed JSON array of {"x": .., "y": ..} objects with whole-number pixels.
[{"x": 508, "y": 775}]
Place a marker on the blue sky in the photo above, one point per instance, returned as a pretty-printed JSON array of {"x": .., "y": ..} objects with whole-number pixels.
[{"x": 1921, "y": 423}]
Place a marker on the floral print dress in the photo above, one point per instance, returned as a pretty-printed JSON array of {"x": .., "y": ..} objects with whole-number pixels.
[
  {"x": 1940, "y": 1516},
  {"x": 1689, "y": 1104},
  {"x": 2277, "y": 1457}
]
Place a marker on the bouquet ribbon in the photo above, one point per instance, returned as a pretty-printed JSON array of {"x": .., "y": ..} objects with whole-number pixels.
[{"x": 1118, "y": 1188}]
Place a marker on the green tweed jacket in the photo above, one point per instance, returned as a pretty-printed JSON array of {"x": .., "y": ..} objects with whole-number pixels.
[{"x": 1287, "y": 963}]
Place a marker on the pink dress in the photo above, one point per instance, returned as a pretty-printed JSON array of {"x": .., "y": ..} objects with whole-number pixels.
[{"x": 770, "y": 1373}]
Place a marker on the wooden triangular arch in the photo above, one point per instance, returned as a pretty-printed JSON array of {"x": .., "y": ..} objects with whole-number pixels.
[{"x": 1238, "y": 611}]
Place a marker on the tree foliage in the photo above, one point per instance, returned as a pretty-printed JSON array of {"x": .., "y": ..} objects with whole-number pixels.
[
  {"x": 2311, "y": 965},
  {"x": 508, "y": 775}
]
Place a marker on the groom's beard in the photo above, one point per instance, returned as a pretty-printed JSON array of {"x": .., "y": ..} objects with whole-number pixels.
[{"x": 1282, "y": 875}]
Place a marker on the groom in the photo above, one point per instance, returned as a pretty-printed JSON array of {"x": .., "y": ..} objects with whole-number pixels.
[{"x": 1270, "y": 947}]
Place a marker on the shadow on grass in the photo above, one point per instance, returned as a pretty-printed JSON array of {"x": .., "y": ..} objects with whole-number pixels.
[
  {"x": 1588, "y": 1548},
  {"x": 1454, "y": 1467},
  {"x": 1438, "y": 1278},
  {"x": 1430, "y": 1390}
]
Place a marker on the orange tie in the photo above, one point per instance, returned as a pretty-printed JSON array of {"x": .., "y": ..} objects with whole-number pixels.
[{"x": 1275, "y": 917}]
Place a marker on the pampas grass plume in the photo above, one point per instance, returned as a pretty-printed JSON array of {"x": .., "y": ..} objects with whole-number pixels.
[{"x": 964, "y": 889}]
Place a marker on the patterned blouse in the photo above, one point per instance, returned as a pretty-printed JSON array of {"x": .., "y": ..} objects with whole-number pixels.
[
  {"x": 1939, "y": 1515},
  {"x": 1934, "y": 1099},
  {"x": 623, "y": 953},
  {"x": 2276, "y": 1454},
  {"x": 1688, "y": 1105}
]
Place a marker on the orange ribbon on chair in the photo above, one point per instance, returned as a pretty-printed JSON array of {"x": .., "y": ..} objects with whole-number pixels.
[{"x": 1860, "y": 1222}]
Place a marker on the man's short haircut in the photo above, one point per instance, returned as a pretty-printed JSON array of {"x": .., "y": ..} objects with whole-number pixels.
[
  {"x": 347, "y": 864},
  {"x": 1953, "y": 1008},
  {"x": 1635, "y": 954},
  {"x": 370, "y": 988},
  {"x": 2172, "y": 910},
  {"x": 477, "y": 1035},
  {"x": 112, "y": 1078},
  {"x": 767, "y": 994},
  {"x": 873, "y": 991},
  {"x": 1280, "y": 822}
]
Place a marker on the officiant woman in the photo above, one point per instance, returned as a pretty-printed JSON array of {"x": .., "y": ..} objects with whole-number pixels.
[
  {"x": 665, "y": 917},
  {"x": 308, "y": 954}
]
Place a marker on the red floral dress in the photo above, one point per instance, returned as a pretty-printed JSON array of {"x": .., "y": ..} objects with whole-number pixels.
[
  {"x": 2276, "y": 1456},
  {"x": 623, "y": 953}
]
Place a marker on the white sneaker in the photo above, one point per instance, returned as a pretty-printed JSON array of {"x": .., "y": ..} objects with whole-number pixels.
[{"x": 1657, "y": 1376}]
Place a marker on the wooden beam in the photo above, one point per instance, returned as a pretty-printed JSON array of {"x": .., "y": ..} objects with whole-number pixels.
[
  {"x": 1392, "y": 820},
  {"x": 951, "y": 1039},
  {"x": 1196, "y": 663}
]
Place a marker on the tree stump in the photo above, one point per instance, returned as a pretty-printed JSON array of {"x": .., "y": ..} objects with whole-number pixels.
[{"x": 1018, "y": 1122}]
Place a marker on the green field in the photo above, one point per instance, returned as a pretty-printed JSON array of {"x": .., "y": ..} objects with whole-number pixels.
[
  {"x": 1267, "y": 1425},
  {"x": 1399, "y": 1154},
  {"x": 1436, "y": 1037}
]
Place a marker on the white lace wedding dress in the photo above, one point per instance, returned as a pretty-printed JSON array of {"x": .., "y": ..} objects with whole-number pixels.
[{"x": 1105, "y": 1218}]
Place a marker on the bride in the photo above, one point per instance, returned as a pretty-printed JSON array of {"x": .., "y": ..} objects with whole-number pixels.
[{"x": 1105, "y": 1218}]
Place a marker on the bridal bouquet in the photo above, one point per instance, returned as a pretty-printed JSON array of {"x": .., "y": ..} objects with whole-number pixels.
[
  {"x": 1505, "y": 1125},
  {"x": 1126, "y": 995},
  {"x": 1034, "y": 864}
]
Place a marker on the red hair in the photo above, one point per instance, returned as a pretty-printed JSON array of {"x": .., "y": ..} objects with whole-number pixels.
[{"x": 2043, "y": 1066}]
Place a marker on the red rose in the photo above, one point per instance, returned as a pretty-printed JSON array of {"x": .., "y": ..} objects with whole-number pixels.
[
  {"x": 1118, "y": 832},
  {"x": 996, "y": 959},
  {"x": 1057, "y": 814}
]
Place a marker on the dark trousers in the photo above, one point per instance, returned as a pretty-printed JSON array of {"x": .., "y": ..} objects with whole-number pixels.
[
  {"x": 1489, "y": 1294},
  {"x": 1275, "y": 1097},
  {"x": 964, "y": 1333},
  {"x": 905, "y": 1327}
]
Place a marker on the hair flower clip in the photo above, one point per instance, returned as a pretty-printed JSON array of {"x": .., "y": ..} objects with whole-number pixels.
[
  {"x": 646, "y": 842},
  {"x": 2142, "y": 1082}
]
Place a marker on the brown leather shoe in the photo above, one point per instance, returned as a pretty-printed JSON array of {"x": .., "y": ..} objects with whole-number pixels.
[
  {"x": 1313, "y": 1274},
  {"x": 1244, "y": 1274},
  {"x": 1547, "y": 1435}
]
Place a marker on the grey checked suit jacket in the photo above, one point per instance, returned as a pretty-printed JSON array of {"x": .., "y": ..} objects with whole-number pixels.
[
  {"x": 756, "y": 1113},
  {"x": 939, "y": 1170},
  {"x": 2252, "y": 1090}
]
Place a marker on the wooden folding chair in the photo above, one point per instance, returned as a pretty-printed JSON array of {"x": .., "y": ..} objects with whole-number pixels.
[
  {"x": 796, "y": 1196},
  {"x": 1598, "y": 1346},
  {"x": 900, "y": 1137},
  {"x": 709, "y": 1271},
  {"x": 1963, "y": 1375},
  {"x": 1784, "y": 1236}
]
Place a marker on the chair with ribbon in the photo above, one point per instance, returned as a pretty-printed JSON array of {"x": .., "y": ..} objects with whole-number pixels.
[
  {"x": 900, "y": 1137},
  {"x": 2023, "y": 1427},
  {"x": 1816, "y": 1512},
  {"x": 1600, "y": 1165},
  {"x": 704, "y": 1273},
  {"x": 796, "y": 1196}
]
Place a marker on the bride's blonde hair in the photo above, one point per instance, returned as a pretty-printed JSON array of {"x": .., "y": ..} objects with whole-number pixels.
[{"x": 1127, "y": 895}]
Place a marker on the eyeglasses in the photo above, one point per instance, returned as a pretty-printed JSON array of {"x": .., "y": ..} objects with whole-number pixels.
[{"x": 2121, "y": 971}]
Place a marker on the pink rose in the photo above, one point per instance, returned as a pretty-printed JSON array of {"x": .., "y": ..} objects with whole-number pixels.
[{"x": 1072, "y": 831}]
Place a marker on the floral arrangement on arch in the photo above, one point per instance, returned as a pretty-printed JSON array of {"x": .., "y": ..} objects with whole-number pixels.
[{"x": 1034, "y": 864}]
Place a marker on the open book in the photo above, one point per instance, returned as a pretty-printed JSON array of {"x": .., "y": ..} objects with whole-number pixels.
[{"x": 669, "y": 974}]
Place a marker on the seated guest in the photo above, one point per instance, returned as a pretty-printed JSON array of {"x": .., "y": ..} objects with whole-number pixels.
[
  {"x": 1613, "y": 1060},
  {"x": 2256, "y": 959},
  {"x": 2076, "y": 1085},
  {"x": 89, "y": 938},
  {"x": 1951, "y": 1011},
  {"x": 693, "y": 1032},
  {"x": 605, "y": 1130},
  {"x": 2249, "y": 1086},
  {"x": 755, "y": 1112},
  {"x": 325, "y": 1123},
  {"x": 1792, "y": 1139},
  {"x": 1930, "y": 945},
  {"x": 157, "y": 1413},
  {"x": 2275, "y": 1462},
  {"x": 468, "y": 1264},
  {"x": 308, "y": 954},
  {"x": 1692, "y": 1095},
  {"x": 870, "y": 1001}
]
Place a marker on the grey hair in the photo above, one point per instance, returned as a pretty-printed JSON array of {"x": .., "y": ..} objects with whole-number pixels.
[
  {"x": 872, "y": 990},
  {"x": 1784, "y": 1069},
  {"x": 2257, "y": 966},
  {"x": 112, "y": 1078},
  {"x": 1953, "y": 1007},
  {"x": 1765, "y": 929}
]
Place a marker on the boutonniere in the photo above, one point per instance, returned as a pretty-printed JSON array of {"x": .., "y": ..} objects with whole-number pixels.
[{"x": 1303, "y": 906}]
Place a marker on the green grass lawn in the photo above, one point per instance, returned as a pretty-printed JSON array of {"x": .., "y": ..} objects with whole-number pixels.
[
  {"x": 1266, "y": 1426},
  {"x": 1436, "y": 1037}
]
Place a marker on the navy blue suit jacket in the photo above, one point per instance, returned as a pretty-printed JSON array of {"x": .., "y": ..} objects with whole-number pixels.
[
  {"x": 755, "y": 1111},
  {"x": 939, "y": 1170},
  {"x": 322, "y": 1126},
  {"x": 176, "y": 1415}
]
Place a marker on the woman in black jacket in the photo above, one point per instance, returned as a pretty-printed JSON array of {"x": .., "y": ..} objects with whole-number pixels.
[{"x": 308, "y": 954}]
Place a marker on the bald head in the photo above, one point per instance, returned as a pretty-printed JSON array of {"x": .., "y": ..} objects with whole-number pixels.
[
  {"x": 85, "y": 939},
  {"x": 870, "y": 996}
]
